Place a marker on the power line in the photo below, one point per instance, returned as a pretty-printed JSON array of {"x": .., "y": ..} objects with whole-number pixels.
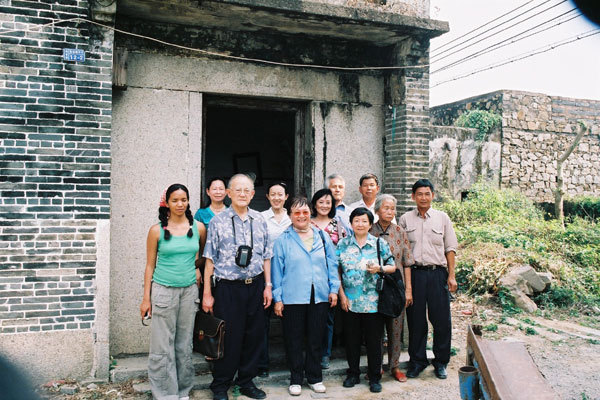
[
  {"x": 505, "y": 29},
  {"x": 503, "y": 43},
  {"x": 532, "y": 53},
  {"x": 481, "y": 26},
  {"x": 223, "y": 55},
  {"x": 500, "y": 31}
]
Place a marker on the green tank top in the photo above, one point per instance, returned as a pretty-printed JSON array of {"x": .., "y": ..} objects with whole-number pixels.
[{"x": 175, "y": 266}]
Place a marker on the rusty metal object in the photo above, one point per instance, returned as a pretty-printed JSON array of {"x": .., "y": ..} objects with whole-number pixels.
[{"x": 506, "y": 369}]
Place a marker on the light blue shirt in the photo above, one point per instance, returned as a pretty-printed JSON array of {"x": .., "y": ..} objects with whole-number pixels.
[{"x": 294, "y": 269}]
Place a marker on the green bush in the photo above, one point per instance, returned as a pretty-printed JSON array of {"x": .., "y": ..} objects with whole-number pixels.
[
  {"x": 482, "y": 120},
  {"x": 498, "y": 229},
  {"x": 583, "y": 207}
]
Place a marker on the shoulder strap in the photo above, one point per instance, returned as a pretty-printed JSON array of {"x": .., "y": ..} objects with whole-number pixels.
[{"x": 378, "y": 252}]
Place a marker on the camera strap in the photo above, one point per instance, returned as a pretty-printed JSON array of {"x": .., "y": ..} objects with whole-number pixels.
[{"x": 251, "y": 233}]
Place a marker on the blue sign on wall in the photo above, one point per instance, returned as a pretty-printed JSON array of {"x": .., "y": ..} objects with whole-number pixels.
[{"x": 73, "y": 55}]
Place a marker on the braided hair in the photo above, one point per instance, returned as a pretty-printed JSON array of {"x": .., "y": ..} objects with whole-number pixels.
[{"x": 163, "y": 212}]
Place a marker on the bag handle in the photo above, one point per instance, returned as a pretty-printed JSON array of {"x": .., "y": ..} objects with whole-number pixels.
[{"x": 324, "y": 249}]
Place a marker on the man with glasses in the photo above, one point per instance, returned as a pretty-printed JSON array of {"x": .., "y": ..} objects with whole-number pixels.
[{"x": 238, "y": 265}]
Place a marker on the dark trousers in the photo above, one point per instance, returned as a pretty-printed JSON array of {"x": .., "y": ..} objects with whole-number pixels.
[
  {"x": 430, "y": 297},
  {"x": 371, "y": 326},
  {"x": 263, "y": 361},
  {"x": 300, "y": 320},
  {"x": 241, "y": 306}
]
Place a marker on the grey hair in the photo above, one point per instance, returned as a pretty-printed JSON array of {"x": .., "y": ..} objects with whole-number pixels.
[
  {"x": 384, "y": 197},
  {"x": 332, "y": 177},
  {"x": 239, "y": 176}
]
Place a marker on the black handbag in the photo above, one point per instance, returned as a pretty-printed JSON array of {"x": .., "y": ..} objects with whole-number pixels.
[
  {"x": 209, "y": 335},
  {"x": 392, "y": 296}
]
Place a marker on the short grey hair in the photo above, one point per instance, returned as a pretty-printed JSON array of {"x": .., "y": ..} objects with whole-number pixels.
[
  {"x": 332, "y": 177},
  {"x": 239, "y": 176},
  {"x": 384, "y": 197}
]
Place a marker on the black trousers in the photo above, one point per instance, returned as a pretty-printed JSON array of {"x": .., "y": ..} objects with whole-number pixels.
[
  {"x": 241, "y": 306},
  {"x": 300, "y": 320},
  {"x": 371, "y": 325},
  {"x": 430, "y": 297}
]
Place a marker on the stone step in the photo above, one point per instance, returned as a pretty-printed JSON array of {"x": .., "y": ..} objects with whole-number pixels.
[{"x": 281, "y": 375}]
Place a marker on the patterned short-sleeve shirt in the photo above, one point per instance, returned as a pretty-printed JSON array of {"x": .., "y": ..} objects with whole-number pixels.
[
  {"x": 397, "y": 238},
  {"x": 221, "y": 246},
  {"x": 358, "y": 284}
]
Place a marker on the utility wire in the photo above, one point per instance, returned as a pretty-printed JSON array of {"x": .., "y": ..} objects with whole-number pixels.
[
  {"x": 498, "y": 25},
  {"x": 482, "y": 26},
  {"x": 503, "y": 43},
  {"x": 505, "y": 29},
  {"x": 532, "y": 53},
  {"x": 223, "y": 55}
]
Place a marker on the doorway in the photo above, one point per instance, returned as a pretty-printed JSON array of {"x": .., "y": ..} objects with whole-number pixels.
[{"x": 263, "y": 138}]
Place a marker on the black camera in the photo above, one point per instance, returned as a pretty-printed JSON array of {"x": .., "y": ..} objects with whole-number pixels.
[
  {"x": 379, "y": 285},
  {"x": 243, "y": 255}
]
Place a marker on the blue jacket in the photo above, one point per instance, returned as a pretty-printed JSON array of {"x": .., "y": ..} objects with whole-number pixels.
[{"x": 294, "y": 269}]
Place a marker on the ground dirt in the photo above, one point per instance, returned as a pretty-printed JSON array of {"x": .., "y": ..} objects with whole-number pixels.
[{"x": 564, "y": 345}]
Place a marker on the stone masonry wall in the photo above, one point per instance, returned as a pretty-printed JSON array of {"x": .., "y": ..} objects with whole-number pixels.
[
  {"x": 536, "y": 129},
  {"x": 55, "y": 122}
]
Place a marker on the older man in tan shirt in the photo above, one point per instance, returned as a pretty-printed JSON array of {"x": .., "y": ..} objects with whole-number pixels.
[{"x": 433, "y": 244}]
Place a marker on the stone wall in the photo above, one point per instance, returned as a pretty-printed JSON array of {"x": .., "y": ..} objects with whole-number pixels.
[
  {"x": 415, "y": 8},
  {"x": 457, "y": 160},
  {"x": 536, "y": 129},
  {"x": 55, "y": 121}
]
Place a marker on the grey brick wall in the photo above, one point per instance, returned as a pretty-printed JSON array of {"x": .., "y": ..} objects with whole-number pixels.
[{"x": 55, "y": 122}]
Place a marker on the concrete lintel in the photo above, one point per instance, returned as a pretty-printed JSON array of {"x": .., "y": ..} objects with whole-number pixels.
[{"x": 287, "y": 16}]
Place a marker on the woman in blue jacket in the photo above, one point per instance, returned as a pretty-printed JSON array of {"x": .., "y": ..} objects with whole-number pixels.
[{"x": 305, "y": 284}]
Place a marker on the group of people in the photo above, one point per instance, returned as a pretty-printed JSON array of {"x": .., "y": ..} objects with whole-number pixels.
[{"x": 298, "y": 263}]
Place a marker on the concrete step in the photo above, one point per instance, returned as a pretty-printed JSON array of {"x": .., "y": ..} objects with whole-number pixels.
[{"x": 281, "y": 376}]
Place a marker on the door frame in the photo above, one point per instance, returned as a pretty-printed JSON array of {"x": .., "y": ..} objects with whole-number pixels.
[{"x": 303, "y": 136}]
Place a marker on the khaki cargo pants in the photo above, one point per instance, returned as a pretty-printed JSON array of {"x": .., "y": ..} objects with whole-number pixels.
[{"x": 170, "y": 368}]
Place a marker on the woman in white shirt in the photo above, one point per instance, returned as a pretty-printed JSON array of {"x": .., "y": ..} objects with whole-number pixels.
[{"x": 277, "y": 221}]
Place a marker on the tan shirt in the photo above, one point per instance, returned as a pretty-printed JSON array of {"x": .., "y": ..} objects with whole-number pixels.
[{"x": 430, "y": 237}]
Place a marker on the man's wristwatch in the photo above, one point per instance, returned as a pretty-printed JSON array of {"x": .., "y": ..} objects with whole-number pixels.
[{"x": 268, "y": 284}]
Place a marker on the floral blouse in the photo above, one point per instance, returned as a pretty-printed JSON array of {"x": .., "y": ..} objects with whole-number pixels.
[
  {"x": 358, "y": 284},
  {"x": 397, "y": 238},
  {"x": 334, "y": 229}
]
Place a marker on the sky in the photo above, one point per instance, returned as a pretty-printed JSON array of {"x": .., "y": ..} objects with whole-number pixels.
[{"x": 572, "y": 70}]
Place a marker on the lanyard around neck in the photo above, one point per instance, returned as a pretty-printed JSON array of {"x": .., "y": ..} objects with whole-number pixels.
[{"x": 251, "y": 233}]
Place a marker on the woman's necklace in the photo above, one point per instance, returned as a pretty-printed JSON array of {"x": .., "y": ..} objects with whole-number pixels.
[{"x": 302, "y": 230}]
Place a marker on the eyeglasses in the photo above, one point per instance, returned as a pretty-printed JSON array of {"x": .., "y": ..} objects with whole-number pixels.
[
  {"x": 301, "y": 213},
  {"x": 240, "y": 191}
]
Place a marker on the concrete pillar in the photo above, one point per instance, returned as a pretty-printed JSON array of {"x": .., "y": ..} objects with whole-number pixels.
[{"x": 406, "y": 144}]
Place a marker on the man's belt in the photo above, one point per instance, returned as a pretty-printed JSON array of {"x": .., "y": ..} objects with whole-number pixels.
[
  {"x": 428, "y": 267},
  {"x": 245, "y": 281}
]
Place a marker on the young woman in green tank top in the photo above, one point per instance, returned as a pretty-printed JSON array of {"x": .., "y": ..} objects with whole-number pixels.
[{"x": 170, "y": 292}]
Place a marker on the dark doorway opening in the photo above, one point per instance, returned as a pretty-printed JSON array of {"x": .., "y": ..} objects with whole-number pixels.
[{"x": 257, "y": 137}]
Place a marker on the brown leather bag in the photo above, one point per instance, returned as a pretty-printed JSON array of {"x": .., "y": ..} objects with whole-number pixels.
[{"x": 209, "y": 335}]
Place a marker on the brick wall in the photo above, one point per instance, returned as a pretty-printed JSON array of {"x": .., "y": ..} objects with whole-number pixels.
[
  {"x": 55, "y": 121},
  {"x": 406, "y": 149}
]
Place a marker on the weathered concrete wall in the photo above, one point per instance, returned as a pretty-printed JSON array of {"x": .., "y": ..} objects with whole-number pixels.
[
  {"x": 157, "y": 140},
  {"x": 536, "y": 129},
  {"x": 415, "y": 8},
  {"x": 457, "y": 160}
]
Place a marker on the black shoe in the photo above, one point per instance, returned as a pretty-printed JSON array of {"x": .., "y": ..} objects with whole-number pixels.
[
  {"x": 440, "y": 372},
  {"x": 350, "y": 381},
  {"x": 263, "y": 373},
  {"x": 414, "y": 371},
  {"x": 253, "y": 392},
  {"x": 375, "y": 387},
  {"x": 220, "y": 396}
]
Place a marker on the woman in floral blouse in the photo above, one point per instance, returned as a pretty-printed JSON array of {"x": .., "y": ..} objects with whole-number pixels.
[
  {"x": 395, "y": 236},
  {"x": 359, "y": 265}
]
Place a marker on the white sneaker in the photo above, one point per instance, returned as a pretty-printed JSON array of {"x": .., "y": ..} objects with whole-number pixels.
[
  {"x": 185, "y": 398},
  {"x": 318, "y": 387},
  {"x": 295, "y": 390}
]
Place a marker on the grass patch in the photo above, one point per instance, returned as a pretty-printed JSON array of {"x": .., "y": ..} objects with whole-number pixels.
[
  {"x": 499, "y": 229},
  {"x": 491, "y": 327}
]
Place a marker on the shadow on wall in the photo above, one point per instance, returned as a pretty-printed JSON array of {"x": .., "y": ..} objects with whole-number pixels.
[{"x": 457, "y": 160}]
